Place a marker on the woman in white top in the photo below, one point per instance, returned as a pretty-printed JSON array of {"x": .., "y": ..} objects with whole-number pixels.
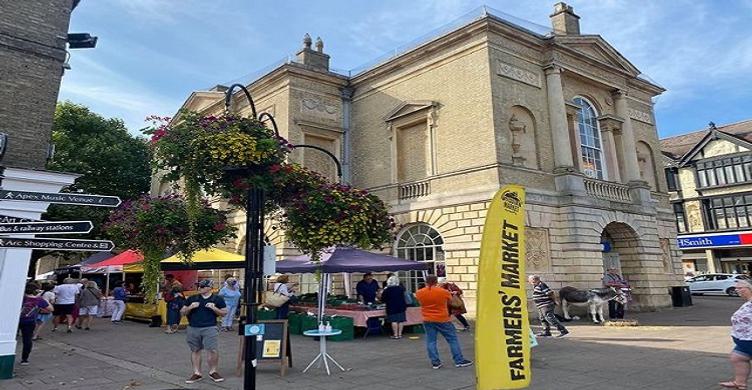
[
  {"x": 284, "y": 287},
  {"x": 43, "y": 318},
  {"x": 741, "y": 333}
]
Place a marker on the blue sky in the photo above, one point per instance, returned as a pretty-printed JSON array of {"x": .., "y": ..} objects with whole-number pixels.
[{"x": 152, "y": 54}]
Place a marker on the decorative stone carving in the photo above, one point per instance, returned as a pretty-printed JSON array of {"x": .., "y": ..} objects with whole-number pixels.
[
  {"x": 515, "y": 73},
  {"x": 522, "y": 128},
  {"x": 666, "y": 254},
  {"x": 640, "y": 116},
  {"x": 517, "y": 128},
  {"x": 319, "y": 107},
  {"x": 694, "y": 217},
  {"x": 537, "y": 250}
]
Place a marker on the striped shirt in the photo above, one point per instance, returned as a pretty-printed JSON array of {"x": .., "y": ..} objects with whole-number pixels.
[{"x": 542, "y": 295}]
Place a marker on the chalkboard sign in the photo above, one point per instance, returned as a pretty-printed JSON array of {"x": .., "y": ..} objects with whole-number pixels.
[{"x": 273, "y": 345}]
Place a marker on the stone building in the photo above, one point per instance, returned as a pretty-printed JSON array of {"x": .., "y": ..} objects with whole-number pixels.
[
  {"x": 709, "y": 176},
  {"x": 33, "y": 36},
  {"x": 437, "y": 129}
]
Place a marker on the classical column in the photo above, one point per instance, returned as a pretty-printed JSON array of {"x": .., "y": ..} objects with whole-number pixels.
[
  {"x": 628, "y": 148},
  {"x": 611, "y": 125},
  {"x": 557, "y": 116}
]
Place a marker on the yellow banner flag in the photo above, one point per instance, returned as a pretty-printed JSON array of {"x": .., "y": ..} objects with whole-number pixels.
[{"x": 502, "y": 334}]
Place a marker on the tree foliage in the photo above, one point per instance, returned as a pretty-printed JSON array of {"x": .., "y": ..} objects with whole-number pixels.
[{"x": 110, "y": 160}]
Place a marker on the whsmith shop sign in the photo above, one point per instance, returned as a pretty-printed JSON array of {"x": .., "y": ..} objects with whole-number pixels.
[{"x": 716, "y": 240}]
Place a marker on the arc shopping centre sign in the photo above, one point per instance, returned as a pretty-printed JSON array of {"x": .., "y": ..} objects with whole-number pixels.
[{"x": 715, "y": 240}]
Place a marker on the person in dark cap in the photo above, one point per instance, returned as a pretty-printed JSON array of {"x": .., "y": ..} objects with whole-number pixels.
[{"x": 202, "y": 311}]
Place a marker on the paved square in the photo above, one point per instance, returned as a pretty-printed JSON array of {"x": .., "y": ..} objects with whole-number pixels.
[{"x": 683, "y": 348}]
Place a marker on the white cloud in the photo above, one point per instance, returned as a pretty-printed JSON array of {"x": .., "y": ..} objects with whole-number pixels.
[{"x": 113, "y": 94}]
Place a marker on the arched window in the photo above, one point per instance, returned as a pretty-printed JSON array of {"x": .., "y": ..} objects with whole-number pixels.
[
  {"x": 591, "y": 148},
  {"x": 421, "y": 243}
]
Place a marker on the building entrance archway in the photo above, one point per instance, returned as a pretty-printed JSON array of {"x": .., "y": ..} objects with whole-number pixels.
[{"x": 621, "y": 249}]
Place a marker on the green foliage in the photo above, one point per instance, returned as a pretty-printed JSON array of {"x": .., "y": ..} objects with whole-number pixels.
[
  {"x": 110, "y": 160},
  {"x": 156, "y": 226}
]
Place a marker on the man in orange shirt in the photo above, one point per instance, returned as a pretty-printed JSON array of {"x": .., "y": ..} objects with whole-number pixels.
[{"x": 434, "y": 305}]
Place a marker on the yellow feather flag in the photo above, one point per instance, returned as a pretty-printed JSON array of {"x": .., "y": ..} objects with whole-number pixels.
[{"x": 502, "y": 334}]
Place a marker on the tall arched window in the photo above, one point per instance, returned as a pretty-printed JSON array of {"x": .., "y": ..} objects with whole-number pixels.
[
  {"x": 421, "y": 243},
  {"x": 591, "y": 148}
]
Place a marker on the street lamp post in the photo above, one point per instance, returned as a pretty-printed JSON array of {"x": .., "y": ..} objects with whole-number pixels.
[
  {"x": 254, "y": 246},
  {"x": 254, "y": 253}
]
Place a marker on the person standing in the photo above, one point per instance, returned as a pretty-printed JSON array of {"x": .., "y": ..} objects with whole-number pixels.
[
  {"x": 613, "y": 279},
  {"x": 396, "y": 307},
  {"x": 543, "y": 297},
  {"x": 459, "y": 310},
  {"x": 367, "y": 288},
  {"x": 231, "y": 294},
  {"x": 65, "y": 300},
  {"x": 173, "y": 310},
  {"x": 31, "y": 306},
  {"x": 434, "y": 302},
  {"x": 284, "y": 287},
  {"x": 741, "y": 334},
  {"x": 202, "y": 310},
  {"x": 119, "y": 295},
  {"x": 43, "y": 318},
  {"x": 88, "y": 303}
]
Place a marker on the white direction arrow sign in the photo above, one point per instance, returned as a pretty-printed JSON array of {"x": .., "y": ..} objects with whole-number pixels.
[
  {"x": 73, "y": 227},
  {"x": 61, "y": 198},
  {"x": 56, "y": 244}
]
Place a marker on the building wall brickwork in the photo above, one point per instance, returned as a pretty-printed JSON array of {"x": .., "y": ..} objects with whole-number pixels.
[{"x": 32, "y": 51}]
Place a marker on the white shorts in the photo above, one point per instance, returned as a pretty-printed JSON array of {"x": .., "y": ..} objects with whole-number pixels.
[{"x": 88, "y": 310}]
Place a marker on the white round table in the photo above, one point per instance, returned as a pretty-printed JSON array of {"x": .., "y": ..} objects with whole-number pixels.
[{"x": 323, "y": 355}]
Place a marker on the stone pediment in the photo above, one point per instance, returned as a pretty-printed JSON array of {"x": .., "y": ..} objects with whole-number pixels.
[
  {"x": 201, "y": 100},
  {"x": 596, "y": 48},
  {"x": 408, "y": 108}
]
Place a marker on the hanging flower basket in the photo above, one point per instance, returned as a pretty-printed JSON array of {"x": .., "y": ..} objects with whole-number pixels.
[
  {"x": 157, "y": 226},
  {"x": 225, "y": 156}
]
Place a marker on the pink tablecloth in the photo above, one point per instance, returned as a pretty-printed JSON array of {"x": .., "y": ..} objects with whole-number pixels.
[{"x": 414, "y": 317}]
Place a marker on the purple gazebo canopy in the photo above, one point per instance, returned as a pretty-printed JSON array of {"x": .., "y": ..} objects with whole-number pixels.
[{"x": 344, "y": 259}]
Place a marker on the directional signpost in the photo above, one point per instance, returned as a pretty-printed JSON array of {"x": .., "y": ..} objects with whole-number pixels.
[
  {"x": 56, "y": 244},
  {"x": 19, "y": 226},
  {"x": 10, "y": 219},
  {"x": 61, "y": 198},
  {"x": 71, "y": 227}
]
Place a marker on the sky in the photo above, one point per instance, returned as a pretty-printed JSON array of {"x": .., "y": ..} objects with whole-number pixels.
[{"x": 152, "y": 54}]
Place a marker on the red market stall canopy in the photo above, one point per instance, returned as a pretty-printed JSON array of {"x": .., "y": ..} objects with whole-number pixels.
[{"x": 345, "y": 259}]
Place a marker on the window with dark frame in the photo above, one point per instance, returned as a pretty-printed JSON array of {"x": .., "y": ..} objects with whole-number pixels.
[
  {"x": 729, "y": 170},
  {"x": 672, "y": 179},
  {"x": 681, "y": 220},
  {"x": 727, "y": 212}
]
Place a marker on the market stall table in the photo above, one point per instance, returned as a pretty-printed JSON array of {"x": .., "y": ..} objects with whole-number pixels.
[
  {"x": 360, "y": 317},
  {"x": 323, "y": 355}
]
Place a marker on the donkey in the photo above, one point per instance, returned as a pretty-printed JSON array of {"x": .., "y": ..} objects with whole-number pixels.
[{"x": 594, "y": 299}]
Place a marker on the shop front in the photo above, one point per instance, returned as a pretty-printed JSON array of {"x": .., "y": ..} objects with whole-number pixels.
[{"x": 729, "y": 252}]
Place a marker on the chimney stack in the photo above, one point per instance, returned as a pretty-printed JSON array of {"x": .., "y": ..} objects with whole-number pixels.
[
  {"x": 313, "y": 59},
  {"x": 564, "y": 20}
]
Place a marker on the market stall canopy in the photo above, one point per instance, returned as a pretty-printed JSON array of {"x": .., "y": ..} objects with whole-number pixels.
[
  {"x": 346, "y": 259},
  {"x": 96, "y": 258},
  {"x": 205, "y": 259},
  {"x": 128, "y": 257}
]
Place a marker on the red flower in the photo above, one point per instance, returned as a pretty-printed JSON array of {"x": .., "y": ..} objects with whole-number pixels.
[
  {"x": 274, "y": 168},
  {"x": 219, "y": 226}
]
